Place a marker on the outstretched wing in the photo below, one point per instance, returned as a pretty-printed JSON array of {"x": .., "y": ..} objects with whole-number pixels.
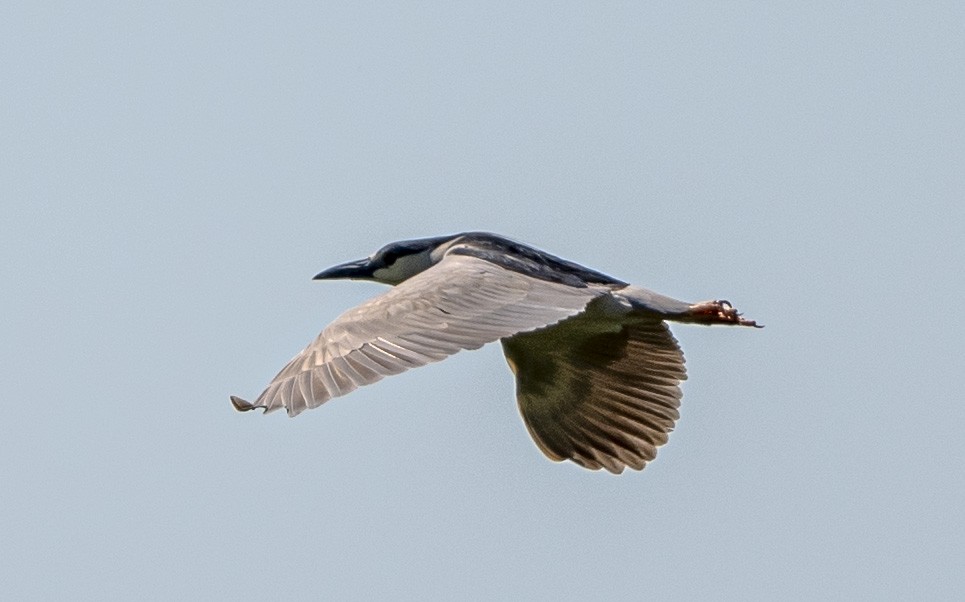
[
  {"x": 460, "y": 303},
  {"x": 602, "y": 392}
]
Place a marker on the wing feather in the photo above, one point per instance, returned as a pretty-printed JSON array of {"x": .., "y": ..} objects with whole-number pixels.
[
  {"x": 600, "y": 390},
  {"x": 462, "y": 302}
]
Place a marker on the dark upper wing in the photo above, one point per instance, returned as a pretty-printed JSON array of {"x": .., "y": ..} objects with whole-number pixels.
[
  {"x": 599, "y": 391},
  {"x": 460, "y": 303}
]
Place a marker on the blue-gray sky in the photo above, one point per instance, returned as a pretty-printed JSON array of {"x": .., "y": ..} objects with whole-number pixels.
[{"x": 172, "y": 175}]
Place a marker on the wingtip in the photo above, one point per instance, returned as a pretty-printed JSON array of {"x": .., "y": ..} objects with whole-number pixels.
[{"x": 241, "y": 405}]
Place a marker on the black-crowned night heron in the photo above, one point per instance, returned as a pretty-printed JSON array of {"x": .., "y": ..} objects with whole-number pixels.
[{"x": 597, "y": 369}]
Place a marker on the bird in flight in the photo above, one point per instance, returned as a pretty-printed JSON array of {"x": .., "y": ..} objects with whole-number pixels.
[{"x": 597, "y": 369}]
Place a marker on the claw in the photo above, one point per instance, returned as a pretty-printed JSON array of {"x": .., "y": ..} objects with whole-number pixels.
[{"x": 720, "y": 312}]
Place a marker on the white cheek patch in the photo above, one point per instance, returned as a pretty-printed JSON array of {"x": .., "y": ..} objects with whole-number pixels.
[
  {"x": 386, "y": 275},
  {"x": 403, "y": 268}
]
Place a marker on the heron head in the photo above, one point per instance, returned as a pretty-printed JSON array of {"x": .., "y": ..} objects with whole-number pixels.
[{"x": 393, "y": 263}]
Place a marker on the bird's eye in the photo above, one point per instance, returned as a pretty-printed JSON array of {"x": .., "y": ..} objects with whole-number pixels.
[{"x": 389, "y": 257}]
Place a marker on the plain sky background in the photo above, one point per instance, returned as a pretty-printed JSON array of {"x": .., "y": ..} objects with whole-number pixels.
[{"x": 172, "y": 175}]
